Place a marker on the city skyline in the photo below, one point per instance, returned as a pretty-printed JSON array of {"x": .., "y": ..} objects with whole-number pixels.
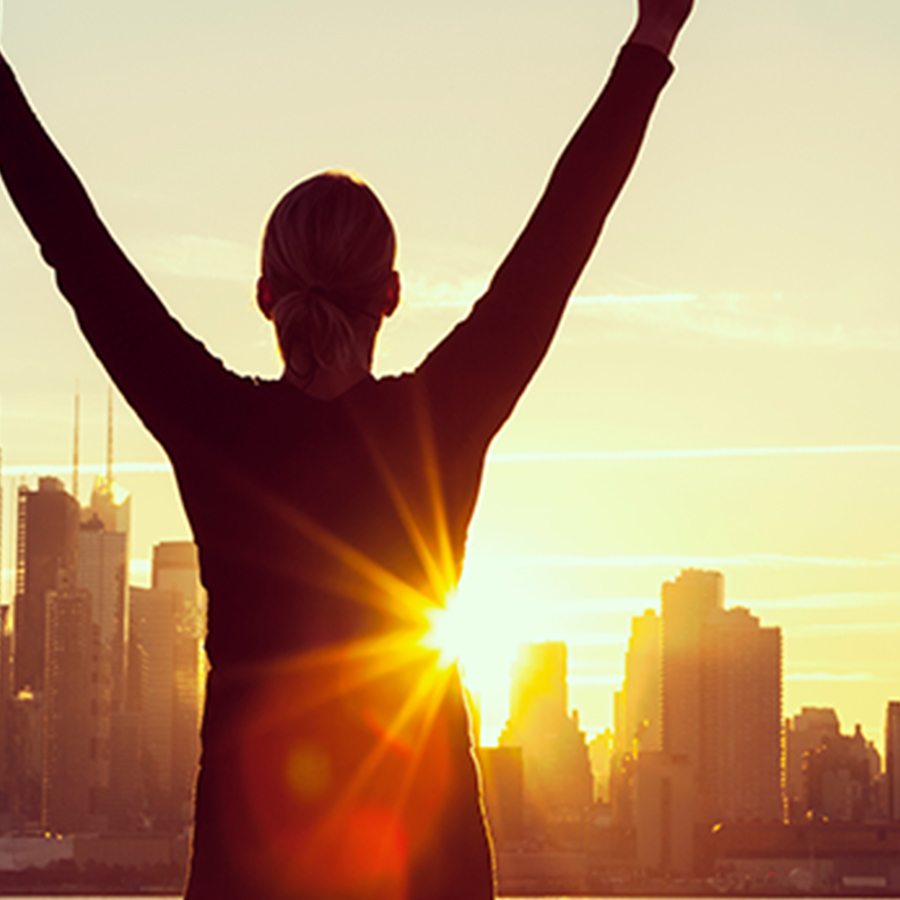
[
  {"x": 720, "y": 394},
  {"x": 488, "y": 656}
]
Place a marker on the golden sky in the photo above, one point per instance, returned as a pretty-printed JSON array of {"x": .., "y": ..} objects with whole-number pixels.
[{"x": 742, "y": 305}]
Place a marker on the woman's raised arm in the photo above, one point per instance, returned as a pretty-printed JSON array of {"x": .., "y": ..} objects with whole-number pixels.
[
  {"x": 162, "y": 371},
  {"x": 479, "y": 370}
]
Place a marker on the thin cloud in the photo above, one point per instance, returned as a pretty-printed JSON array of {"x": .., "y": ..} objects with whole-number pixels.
[
  {"x": 573, "y": 561},
  {"x": 839, "y": 628},
  {"x": 846, "y": 600},
  {"x": 525, "y": 456},
  {"x": 24, "y": 470},
  {"x": 831, "y": 677},
  {"x": 454, "y": 296},
  {"x": 752, "y": 319},
  {"x": 541, "y": 456}
]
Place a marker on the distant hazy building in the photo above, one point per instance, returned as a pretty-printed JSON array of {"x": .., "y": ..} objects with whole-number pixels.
[
  {"x": 46, "y": 561},
  {"x": 664, "y": 814},
  {"x": 557, "y": 772},
  {"x": 639, "y": 725},
  {"x": 601, "y": 752},
  {"x": 840, "y": 777},
  {"x": 740, "y": 752},
  {"x": 892, "y": 759},
  {"x": 804, "y": 733}
]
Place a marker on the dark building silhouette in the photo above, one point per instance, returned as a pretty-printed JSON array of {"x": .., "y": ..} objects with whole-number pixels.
[
  {"x": 70, "y": 715},
  {"x": 46, "y": 561},
  {"x": 504, "y": 792},
  {"x": 7, "y": 773}
]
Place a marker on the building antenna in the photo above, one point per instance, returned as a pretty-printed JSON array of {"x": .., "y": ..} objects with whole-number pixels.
[
  {"x": 76, "y": 441},
  {"x": 109, "y": 440}
]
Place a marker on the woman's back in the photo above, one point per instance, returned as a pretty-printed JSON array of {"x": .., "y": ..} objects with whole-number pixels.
[{"x": 328, "y": 532}]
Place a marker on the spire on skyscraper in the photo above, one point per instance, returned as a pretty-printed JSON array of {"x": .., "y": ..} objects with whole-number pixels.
[
  {"x": 76, "y": 440},
  {"x": 109, "y": 440}
]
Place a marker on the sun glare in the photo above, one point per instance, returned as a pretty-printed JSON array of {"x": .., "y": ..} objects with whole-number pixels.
[{"x": 481, "y": 628}]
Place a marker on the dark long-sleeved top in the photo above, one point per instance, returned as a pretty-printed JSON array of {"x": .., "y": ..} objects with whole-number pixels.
[{"x": 336, "y": 753}]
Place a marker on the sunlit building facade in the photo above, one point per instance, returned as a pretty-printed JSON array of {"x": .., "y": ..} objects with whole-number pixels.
[
  {"x": 687, "y": 603},
  {"x": 176, "y": 570},
  {"x": 640, "y": 718},
  {"x": 556, "y": 768}
]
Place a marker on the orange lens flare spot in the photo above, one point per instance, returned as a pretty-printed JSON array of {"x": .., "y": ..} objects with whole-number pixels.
[{"x": 307, "y": 772}]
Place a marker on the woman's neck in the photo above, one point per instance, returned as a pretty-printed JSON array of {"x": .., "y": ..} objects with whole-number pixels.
[{"x": 326, "y": 384}]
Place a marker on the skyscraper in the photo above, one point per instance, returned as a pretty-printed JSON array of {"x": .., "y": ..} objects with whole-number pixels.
[
  {"x": 176, "y": 569},
  {"x": 687, "y": 603},
  {"x": 556, "y": 768},
  {"x": 740, "y": 749},
  {"x": 640, "y": 717},
  {"x": 103, "y": 571},
  {"x": 153, "y": 621},
  {"x": 721, "y": 699},
  {"x": 70, "y": 714},
  {"x": 892, "y": 759},
  {"x": 46, "y": 561}
]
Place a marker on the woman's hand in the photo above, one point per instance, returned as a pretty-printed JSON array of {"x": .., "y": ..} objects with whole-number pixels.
[{"x": 659, "y": 23}]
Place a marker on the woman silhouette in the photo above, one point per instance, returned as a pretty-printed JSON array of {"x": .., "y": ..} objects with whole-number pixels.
[{"x": 330, "y": 508}]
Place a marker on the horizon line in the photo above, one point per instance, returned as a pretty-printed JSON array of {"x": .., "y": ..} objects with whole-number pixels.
[{"x": 19, "y": 470}]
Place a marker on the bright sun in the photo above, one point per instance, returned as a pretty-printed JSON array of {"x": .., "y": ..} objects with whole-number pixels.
[{"x": 482, "y": 627}]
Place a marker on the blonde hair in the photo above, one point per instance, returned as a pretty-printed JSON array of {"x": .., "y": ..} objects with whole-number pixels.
[{"x": 327, "y": 256}]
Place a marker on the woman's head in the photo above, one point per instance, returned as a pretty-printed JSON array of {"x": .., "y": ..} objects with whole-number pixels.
[{"x": 327, "y": 271}]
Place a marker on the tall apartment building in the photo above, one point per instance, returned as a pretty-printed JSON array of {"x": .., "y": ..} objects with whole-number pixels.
[
  {"x": 740, "y": 751},
  {"x": 69, "y": 798},
  {"x": 721, "y": 699},
  {"x": 687, "y": 603},
  {"x": 639, "y": 720},
  {"x": 153, "y": 621}
]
